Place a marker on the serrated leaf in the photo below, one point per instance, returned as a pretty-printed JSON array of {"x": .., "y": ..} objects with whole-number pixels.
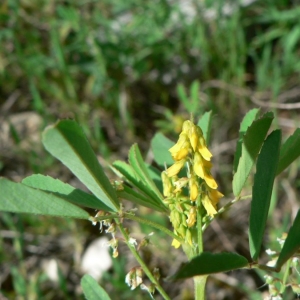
[
  {"x": 138, "y": 164},
  {"x": 291, "y": 244},
  {"x": 262, "y": 190},
  {"x": 290, "y": 151},
  {"x": 247, "y": 121},
  {"x": 92, "y": 290},
  {"x": 160, "y": 146},
  {"x": 64, "y": 190},
  {"x": 66, "y": 141},
  {"x": 20, "y": 198},
  {"x": 205, "y": 124},
  {"x": 209, "y": 263},
  {"x": 252, "y": 142}
]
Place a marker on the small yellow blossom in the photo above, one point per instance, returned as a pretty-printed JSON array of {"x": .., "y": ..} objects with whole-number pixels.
[
  {"x": 175, "y": 169},
  {"x": 203, "y": 149},
  {"x": 181, "y": 149},
  {"x": 193, "y": 188},
  {"x": 192, "y": 217},
  {"x": 175, "y": 243},
  {"x": 211, "y": 211},
  {"x": 214, "y": 196}
]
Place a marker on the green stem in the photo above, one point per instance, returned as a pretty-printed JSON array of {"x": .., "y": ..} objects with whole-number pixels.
[
  {"x": 199, "y": 227},
  {"x": 141, "y": 262},
  {"x": 140, "y": 220},
  {"x": 199, "y": 281},
  {"x": 153, "y": 224}
]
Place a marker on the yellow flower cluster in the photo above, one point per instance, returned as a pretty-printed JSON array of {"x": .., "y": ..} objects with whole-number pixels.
[{"x": 190, "y": 150}]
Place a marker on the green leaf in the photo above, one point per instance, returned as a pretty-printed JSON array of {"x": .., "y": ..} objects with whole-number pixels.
[
  {"x": 20, "y": 198},
  {"x": 209, "y": 263},
  {"x": 205, "y": 124},
  {"x": 183, "y": 97},
  {"x": 66, "y": 141},
  {"x": 252, "y": 142},
  {"x": 145, "y": 193},
  {"x": 160, "y": 146},
  {"x": 291, "y": 244},
  {"x": 135, "y": 197},
  {"x": 262, "y": 190},
  {"x": 138, "y": 164},
  {"x": 92, "y": 290},
  {"x": 64, "y": 190},
  {"x": 247, "y": 121},
  {"x": 289, "y": 151}
]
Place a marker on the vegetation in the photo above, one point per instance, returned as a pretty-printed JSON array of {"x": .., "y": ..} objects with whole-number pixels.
[{"x": 125, "y": 70}]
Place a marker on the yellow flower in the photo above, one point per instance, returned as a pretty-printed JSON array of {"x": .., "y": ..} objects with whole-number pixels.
[
  {"x": 201, "y": 168},
  {"x": 175, "y": 169},
  {"x": 181, "y": 149},
  {"x": 194, "y": 136},
  {"x": 211, "y": 211},
  {"x": 203, "y": 149},
  {"x": 214, "y": 196},
  {"x": 192, "y": 217},
  {"x": 193, "y": 188},
  {"x": 198, "y": 165},
  {"x": 175, "y": 243}
]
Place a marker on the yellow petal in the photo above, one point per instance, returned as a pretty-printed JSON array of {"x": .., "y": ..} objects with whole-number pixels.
[
  {"x": 167, "y": 185},
  {"x": 194, "y": 138},
  {"x": 211, "y": 211},
  {"x": 175, "y": 169},
  {"x": 186, "y": 126},
  {"x": 175, "y": 244},
  {"x": 198, "y": 165},
  {"x": 203, "y": 149},
  {"x": 193, "y": 189},
  {"x": 214, "y": 196},
  {"x": 210, "y": 181}
]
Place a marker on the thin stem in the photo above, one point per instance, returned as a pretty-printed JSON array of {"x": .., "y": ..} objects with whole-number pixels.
[
  {"x": 140, "y": 220},
  {"x": 199, "y": 281},
  {"x": 199, "y": 227},
  {"x": 141, "y": 262},
  {"x": 153, "y": 224}
]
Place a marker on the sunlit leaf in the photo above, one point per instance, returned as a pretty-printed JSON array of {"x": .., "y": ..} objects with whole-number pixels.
[
  {"x": 20, "y": 198},
  {"x": 252, "y": 142},
  {"x": 205, "y": 124},
  {"x": 247, "y": 121},
  {"x": 64, "y": 190},
  {"x": 92, "y": 290},
  {"x": 160, "y": 146},
  {"x": 66, "y": 141}
]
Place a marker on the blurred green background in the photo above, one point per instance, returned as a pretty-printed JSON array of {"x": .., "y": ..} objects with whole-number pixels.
[{"x": 125, "y": 70}]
